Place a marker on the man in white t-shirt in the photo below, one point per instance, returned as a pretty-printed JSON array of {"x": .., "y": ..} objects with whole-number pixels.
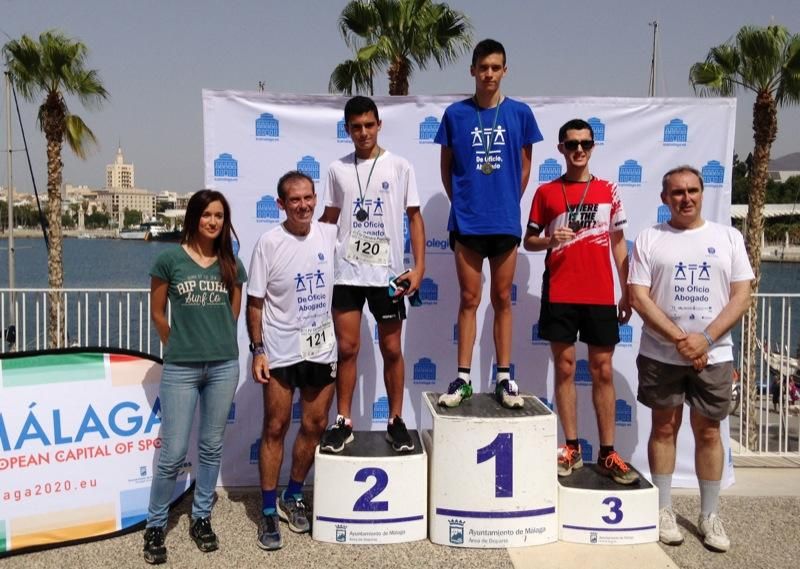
[
  {"x": 689, "y": 280},
  {"x": 293, "y": 345},
  {"x": 368, "y": 192}
]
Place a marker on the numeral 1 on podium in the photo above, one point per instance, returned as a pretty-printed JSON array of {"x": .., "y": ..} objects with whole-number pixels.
[{"x": 502, "y": 450}]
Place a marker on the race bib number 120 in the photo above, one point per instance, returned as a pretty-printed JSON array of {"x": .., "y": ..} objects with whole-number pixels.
[{"x": 367, "y": 249}]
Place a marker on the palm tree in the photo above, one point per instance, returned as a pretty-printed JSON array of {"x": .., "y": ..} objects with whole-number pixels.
[
  {"x": 399, "y": 35},
  {"x": 765, "y": 61},
  {"x": 51, "y": 68}
]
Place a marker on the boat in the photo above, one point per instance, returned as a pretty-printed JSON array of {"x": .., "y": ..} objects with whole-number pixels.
[
  {"x": 161, "y": 233},
  {"x": 140, "y": 232}
]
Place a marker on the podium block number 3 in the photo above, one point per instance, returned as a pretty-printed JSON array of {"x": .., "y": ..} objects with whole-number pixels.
[
  {"x": 502, "y": 450},
  {"x": 365, "y": 503},
  {"x": 615, "y": 510}
]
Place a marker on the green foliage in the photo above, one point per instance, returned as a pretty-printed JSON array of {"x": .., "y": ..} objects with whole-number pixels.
[
  {"x": 49, "y": 69},
  {"x": 399, "y": 36},
  {"x": 762, "y": 60},
  {"x": 25, "y": 216},
  {"x": 131, "y": 217},
  {"x": 67, "y": 220},
  {"x": 96, "y": 220}
]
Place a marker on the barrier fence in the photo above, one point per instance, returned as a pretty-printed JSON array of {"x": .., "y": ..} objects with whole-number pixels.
[{"x": 765, "y": 418}]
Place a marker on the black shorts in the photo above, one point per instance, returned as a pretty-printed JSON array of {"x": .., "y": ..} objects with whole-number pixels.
[
  {"x": 561, "y": 322},
  {"x": 306, "y": 374},
  {"x": 382, "y": 306},
  {"x": 487, "y": 246}
]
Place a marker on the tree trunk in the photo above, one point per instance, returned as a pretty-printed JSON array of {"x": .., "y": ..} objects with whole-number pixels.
[
  {"x": 398, "y": 77},
  {"x": 765, "y": 129},
  {"x": 54, "y": 121}
]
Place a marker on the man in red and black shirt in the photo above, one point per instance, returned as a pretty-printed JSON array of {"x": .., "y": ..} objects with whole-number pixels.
[{"x": 582, "y": 216}]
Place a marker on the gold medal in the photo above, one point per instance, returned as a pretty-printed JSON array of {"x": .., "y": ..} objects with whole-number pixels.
[{"x": 487, "y": 168}]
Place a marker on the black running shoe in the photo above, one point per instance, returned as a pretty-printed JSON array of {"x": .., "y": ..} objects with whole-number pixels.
[
  {"x": 397, "y": 434},
  {"x": 338, "y": 435},
  {"x": 203, "y": 535},
  {"x": 155, "y": 551}
]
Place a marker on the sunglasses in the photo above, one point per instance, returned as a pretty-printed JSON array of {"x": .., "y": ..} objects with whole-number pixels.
[{"x": 573, "y": 144}]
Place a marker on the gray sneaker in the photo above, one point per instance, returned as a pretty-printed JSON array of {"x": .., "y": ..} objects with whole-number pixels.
[
  {"x": 269, "y": 532},
  {"x": 294, "y": 512},
  {"x": 713, "y": 533},
  {"x": 507, "y": 394},
  {"x": 668, "y": 531}
]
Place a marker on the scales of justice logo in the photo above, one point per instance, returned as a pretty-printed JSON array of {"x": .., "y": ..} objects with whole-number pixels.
[
  {"x": 308, "y": 282},
  {"x": 696, "y": 271},
  {"x": 489, "y": 142}
]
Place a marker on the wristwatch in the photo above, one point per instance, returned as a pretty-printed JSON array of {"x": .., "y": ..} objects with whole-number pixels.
[{"x": 256, "y": 348}]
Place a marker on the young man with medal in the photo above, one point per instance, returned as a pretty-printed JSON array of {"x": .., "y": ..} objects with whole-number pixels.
[
  {"x": 368, "y": 192},
  {"x": 485, "y": 164},
  {"x": 582, "y": 216},
  {"x": 293, "y": 346}
]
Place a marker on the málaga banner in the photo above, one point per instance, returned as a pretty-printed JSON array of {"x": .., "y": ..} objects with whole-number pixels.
[
  {"x": 79, "y": 440},
  {"x": 251, "y": 139}
]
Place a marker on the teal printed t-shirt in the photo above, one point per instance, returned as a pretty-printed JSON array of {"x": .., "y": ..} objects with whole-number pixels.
[{"x": 202, "y": 328}]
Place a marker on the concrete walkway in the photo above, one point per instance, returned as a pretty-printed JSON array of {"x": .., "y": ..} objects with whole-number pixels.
[{"x": 761, "y": 513}]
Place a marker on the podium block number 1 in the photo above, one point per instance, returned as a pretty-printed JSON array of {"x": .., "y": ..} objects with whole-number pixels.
[
  {"x": 615, "y": 509},
  {"x": 365, "y": 502},
  {"x": 502, "y": 450}
]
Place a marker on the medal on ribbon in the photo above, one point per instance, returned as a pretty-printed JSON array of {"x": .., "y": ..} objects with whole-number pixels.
[
  {"x": 572, "y": 213},
  {"x": 486, "y": 167}
]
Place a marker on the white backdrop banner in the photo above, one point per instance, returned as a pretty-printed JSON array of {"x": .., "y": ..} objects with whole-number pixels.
[{"x": 251, "y": 139}]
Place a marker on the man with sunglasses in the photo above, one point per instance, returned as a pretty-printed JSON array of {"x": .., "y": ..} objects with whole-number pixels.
[
  {"x": 485, "y": 165},
  {"x": 582, "y": 216}
]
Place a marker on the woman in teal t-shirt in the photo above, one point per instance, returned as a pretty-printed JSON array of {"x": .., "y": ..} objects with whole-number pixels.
[{"x": 202, "y": 278}]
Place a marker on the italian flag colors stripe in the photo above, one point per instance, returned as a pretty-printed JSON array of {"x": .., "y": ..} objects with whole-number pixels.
[{"x": 52, "y": 369}]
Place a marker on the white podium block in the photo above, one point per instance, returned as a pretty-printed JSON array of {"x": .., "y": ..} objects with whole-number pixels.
[
  {"x": 492, "y": 473},
  {"x": 592, "y": 508},
  {"x": 370, "y": 494}
]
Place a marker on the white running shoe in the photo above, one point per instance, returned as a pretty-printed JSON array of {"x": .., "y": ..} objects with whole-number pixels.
[
  {"x": 668, "y": 531},
  {"x": 713, "y": 532}
]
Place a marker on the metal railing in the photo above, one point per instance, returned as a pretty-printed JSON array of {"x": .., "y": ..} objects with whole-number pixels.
[
  {"x": 765, "y": 422},
  {"x": 117, "y": 318}
]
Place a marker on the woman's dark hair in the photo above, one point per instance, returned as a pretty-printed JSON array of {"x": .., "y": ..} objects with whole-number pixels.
[{"x": 223, "y": 244}]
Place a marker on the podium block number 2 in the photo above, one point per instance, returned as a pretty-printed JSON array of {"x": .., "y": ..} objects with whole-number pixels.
[
  {"x": 502, "y": 450},
  {"x": 365, "y": 503}
]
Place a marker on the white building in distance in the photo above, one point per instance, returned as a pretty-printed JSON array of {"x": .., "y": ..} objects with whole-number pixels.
[
  {"x": 121, "y": 192},
  {"x": 120, "y": 175}
]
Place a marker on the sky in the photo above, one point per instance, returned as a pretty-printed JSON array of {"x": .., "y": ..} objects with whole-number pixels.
[{"x": 155, "y": 57}]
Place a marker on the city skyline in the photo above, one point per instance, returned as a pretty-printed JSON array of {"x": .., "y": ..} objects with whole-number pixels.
[{"x": 155, "y": 59}]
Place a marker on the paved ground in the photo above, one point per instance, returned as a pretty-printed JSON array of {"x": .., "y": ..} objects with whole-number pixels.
[{"x": 761, "y": 513}]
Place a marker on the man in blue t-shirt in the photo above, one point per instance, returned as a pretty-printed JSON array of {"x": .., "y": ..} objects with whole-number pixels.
[{"x": 485, "y": 165}]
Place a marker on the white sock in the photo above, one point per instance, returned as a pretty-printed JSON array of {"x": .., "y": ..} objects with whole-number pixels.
[
  {"x": 664, "y": 484},
  {"x": 709, "y": 496}
]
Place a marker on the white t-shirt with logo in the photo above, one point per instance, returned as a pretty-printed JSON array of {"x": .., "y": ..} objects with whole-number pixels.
[
  {"x": 689, "y": 273},
  {"x": 294, "y": 276},
  {"x": 392, "y": 189}
]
